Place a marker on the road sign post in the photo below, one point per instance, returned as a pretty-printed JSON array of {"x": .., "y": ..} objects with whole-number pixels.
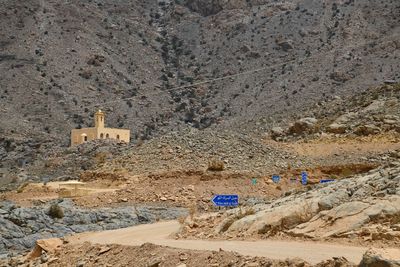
[
  {"x": 226, "y": 200},
  {"x": 303, "y": 178},
  {"x": 276, "y": 178}
]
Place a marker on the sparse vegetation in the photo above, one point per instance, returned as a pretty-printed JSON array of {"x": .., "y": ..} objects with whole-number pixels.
[
  {"x": 216, "y": 165},
  {"x": 22, "y": 187},
  {"x": 56, "y": 212}
]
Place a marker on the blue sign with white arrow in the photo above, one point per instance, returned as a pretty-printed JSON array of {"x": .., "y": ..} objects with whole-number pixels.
[
  {"x": 226, "y": 200},
  {"x": 326, "y": 181}
]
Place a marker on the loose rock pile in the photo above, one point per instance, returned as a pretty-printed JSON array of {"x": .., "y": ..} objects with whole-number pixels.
[
  {"x": 193, "y": 149},
  {"x": 373, "y": 112}
]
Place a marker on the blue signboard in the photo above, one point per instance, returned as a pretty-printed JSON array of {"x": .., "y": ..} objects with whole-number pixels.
[
  {"x": 303, "y": 178},
  {"x": 226, "y": 200},
  {"x": 276, "y": 178},
  {"x": 326, "y": 181}
]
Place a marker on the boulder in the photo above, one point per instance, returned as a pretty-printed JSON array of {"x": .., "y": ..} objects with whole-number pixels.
[
  {"x": 277, "y": 132},
  {"x": 304, "y": 125},
  {"x": 368, "y": 129},
  {"x": 371, "y": 259},
  {"x": 286, "y": 45},
  {"x": 336, "y": 128},
  {"x": 330, "y": 201}
]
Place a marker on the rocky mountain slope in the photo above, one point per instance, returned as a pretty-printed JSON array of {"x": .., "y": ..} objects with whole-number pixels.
[
  {"x": 363, "y": 208},
  {"x": 137, "y": 60}
]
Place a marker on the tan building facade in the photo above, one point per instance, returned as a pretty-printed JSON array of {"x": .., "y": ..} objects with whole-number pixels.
[{"x": 79, "y": 136}]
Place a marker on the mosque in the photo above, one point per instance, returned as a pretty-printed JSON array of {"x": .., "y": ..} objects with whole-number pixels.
[{"x": 79, "y": 136}]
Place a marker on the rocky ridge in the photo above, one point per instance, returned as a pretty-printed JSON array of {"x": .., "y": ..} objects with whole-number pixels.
[
  {"x": 364, "y": 207},
  {"x": 374, "y": 111}
]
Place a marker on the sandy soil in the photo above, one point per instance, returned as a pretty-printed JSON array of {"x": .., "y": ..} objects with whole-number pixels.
[{"x": 159, "y": 234}]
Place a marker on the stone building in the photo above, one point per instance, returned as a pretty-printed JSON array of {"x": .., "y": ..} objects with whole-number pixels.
[{"x": 79, "y": 136}]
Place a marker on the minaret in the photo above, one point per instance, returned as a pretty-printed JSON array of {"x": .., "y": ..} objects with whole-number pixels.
[{"x": 99, "y": 119}]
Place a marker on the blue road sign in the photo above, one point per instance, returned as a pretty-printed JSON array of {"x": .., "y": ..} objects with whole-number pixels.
[
  {"x": 226, "y": 200},
  {"x": 303, "y": 178},
  {"x": 276, "y": 178},
  {"x": 322, "y": 181}
]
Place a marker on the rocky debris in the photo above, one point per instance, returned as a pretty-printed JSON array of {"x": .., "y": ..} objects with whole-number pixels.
[
  {"x": 191, "y": 149},
  {"x": 336, "y": 128},
  {"x": 190, "y": 188},
  {"x": 88, "y": 254},
  {"x": 367, "y": 130},
  {"x": 302, "y": 126},
  {"x": 365, "y": 206},
  {"x": 371, "y": 259},
  {"x": 148, "y": 255},
  {"x": 179, "y": 43},
  {"x": 286, "y": 45},
  {"x": 20, "y": 227},
  {"x": 277, "y": 133},
  {"x": 96, "y": 60},
  {"x": 375, "y": 112}
]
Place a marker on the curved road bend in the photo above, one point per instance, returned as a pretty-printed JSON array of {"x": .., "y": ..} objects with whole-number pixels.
[{"x": 158, "y": 233}]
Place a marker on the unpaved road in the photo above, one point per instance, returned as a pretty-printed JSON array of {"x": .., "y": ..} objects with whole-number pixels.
[{"x": 159, "y": 233}]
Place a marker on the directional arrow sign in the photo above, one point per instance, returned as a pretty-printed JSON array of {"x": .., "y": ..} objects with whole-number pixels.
[
  {"x": 226, "y": 200},
  {"x": 326, "y": 181}
]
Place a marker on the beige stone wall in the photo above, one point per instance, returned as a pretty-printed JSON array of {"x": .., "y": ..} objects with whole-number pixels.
[
  {"x": 113, "y": 133},
  {"x": 77, "y": 135}
]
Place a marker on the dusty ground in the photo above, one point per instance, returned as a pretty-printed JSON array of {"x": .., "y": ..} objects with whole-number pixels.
[
  {"x": 110, "y": 185},
  {"x": 161, "y": 234},
  {"x": 146, "y": 255}
]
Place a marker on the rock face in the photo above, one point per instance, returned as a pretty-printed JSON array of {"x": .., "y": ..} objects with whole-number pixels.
[
  {"x": 363, "y": 206},
  {"x": 212, "y": 7},
  {"x": 21, "y": 227},
  {"x": 357, "y": 115},
  {"x": 370, "y": 259}
]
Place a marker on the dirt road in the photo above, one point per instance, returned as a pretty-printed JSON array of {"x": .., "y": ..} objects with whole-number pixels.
[{"x": 159, "y": 233}]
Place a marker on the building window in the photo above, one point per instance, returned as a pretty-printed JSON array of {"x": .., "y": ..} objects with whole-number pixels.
[
  {"x": 117, "y": 136},
  {"x": 85, "y": 138},
  {"x": 101, "y": 136},
  {"x": 107, "y": 136}
]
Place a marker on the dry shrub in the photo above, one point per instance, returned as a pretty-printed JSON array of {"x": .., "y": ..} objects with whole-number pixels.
[
  {"x": 22, "y": 187},
  {"x": 56, "y": 211},
  {"x": 216, "y": 165}
]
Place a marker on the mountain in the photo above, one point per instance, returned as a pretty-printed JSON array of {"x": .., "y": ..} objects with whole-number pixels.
[{"x": 154, "y": 66}]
